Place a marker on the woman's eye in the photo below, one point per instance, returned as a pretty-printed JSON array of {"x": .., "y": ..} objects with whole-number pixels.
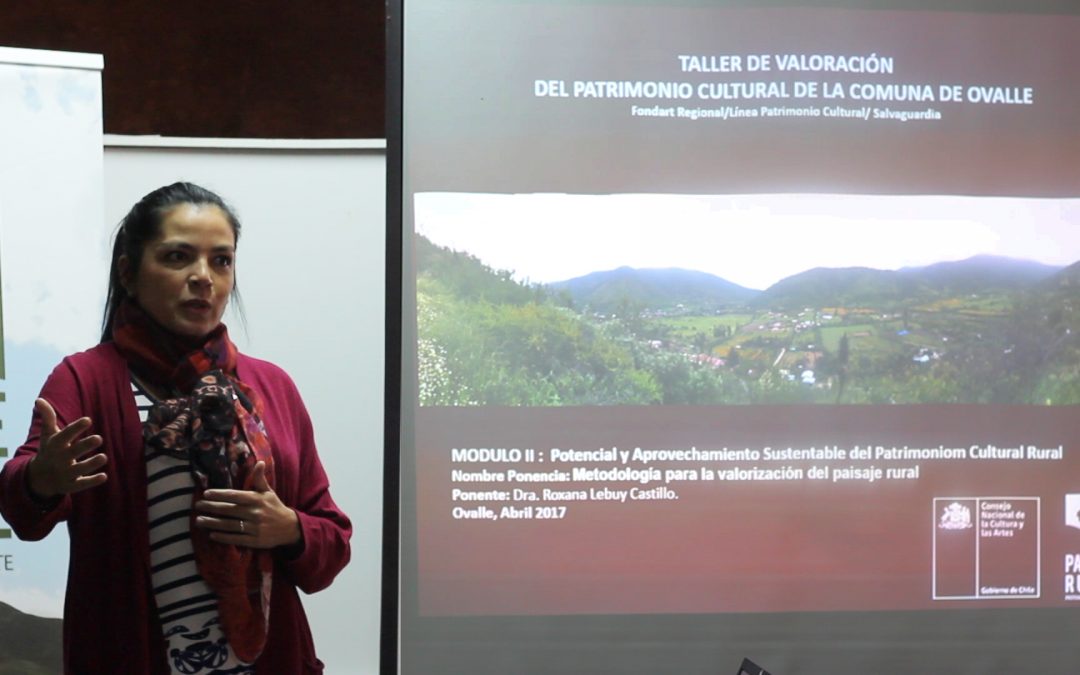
[
  {"x": 224, "y": 261},
  {"x": 175, "y": 256}
]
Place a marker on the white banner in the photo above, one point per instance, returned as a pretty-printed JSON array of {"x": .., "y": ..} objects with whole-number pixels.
[{"x": 53, "y": 266}]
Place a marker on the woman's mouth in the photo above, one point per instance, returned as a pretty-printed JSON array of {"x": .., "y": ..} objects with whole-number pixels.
[{"x": 196, "y": 305}]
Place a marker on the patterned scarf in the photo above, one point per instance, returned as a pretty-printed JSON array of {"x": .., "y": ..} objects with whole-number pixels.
[{"x": 214, "y": 423}]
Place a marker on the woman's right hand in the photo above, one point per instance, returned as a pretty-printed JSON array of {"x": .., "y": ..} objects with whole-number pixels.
[{"x": 56, "y": 468}]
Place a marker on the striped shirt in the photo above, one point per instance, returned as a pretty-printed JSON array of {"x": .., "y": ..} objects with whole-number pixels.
[{"x": 187, "y": 608}]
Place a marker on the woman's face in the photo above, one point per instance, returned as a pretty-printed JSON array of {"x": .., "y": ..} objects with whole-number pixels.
[{"x": 186, "y": 273}]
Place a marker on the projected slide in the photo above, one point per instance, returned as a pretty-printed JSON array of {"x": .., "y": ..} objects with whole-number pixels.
[{"x": 741, "y": 310}]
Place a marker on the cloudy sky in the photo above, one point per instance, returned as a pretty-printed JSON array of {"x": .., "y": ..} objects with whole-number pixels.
[
  {"x": 752, "y": 240},
  {"x": 54, "y": 244}
]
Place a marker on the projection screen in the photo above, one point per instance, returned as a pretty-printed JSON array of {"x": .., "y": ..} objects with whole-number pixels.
[{"x": 726, "y": 330}]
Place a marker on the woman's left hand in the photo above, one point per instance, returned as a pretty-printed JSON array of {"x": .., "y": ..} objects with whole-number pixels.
[{"x": 253, "y": 518}]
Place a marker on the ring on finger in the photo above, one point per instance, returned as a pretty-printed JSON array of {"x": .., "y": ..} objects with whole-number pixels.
[{"x": 241, "y": 526}]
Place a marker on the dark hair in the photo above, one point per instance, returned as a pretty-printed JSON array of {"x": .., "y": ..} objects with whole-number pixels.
[{"x": 142, "y": 224}]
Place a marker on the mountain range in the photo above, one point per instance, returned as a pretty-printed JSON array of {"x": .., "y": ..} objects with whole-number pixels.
[
  {"x": 29, "y": 645},
  {"x": 659, "y": 289},
  {"x": 652, "y": 288}
]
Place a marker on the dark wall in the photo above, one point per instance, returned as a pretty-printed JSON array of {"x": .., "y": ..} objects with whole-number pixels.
[{"x": 222, "y": 68}]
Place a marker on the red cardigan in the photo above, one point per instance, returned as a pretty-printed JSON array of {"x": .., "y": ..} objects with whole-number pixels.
[{"x": 110, "y": 624}]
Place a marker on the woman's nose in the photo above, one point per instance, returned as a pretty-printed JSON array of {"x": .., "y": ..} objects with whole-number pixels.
[{"x": 200, "y": 275}]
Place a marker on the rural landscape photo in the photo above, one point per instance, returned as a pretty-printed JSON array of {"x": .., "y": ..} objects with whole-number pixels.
[{"x": 557, "y": 300}]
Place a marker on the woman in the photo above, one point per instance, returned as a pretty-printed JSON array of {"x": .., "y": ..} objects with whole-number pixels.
[{"x": 187, "y": 473}]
